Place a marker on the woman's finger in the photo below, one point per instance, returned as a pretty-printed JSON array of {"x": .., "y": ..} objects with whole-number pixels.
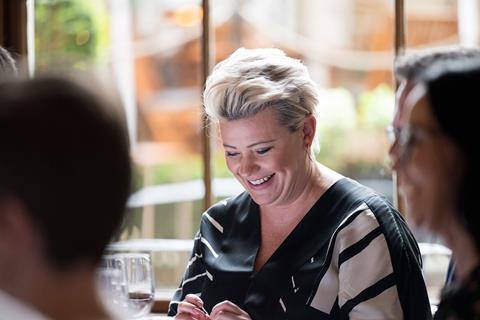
[
  {"x": 194, "y": 299},
  {"x": 225, "y": 315},
  {"x": 184, "y": 316},
  {"x": 228, "y": 307},
  {"x": 189, "y": 309}
]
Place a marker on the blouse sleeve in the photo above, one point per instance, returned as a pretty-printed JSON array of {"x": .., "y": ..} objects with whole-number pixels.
[
  {"x": 360, "y": 280},
  {"x": 367, "y": 283},
  {"x": 193, "y": 279}
]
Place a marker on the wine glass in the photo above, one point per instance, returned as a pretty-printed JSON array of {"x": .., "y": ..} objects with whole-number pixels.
[
  {"x": 140, "y": 283},
  {"x": 112, "y": 284}
]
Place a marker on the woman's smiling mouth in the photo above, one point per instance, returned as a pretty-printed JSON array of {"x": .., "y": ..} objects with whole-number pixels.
[{"x": 260, "y": 181}]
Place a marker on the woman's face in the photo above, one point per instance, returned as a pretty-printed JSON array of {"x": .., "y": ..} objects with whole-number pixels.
[
  {"x": 267, "y": 159},
  {"x": 429, "y": 167}
]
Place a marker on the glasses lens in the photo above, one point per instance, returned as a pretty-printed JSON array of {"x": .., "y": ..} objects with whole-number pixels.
[
  {"x": 392, "y": 134},
  {"x": 405, "y": 142}
]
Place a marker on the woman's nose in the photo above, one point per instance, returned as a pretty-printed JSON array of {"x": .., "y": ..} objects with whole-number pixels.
[
  {"x": 247, "y": 167},
  {"x": 393, "y": 151},
  {"x": 395, "y": 155}
]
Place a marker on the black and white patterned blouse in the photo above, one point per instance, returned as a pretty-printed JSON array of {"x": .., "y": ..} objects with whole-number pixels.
[{"x": 351, "y": 257}]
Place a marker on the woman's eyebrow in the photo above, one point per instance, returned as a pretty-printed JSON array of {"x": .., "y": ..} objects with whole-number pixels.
[
  {"x": 261, "y": 142},
  {"x": 252, "y": 145}
]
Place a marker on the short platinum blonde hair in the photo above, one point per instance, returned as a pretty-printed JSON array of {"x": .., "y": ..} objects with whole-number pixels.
[{"x": 251, "y": 80}]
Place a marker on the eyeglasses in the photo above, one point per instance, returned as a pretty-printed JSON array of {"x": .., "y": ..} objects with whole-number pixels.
[
  {"x": 408, "y": 136},
  {"x": 393, "y": 133}
]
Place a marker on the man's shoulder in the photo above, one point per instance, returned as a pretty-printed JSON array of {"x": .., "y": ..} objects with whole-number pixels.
[{"x": 12, "y": 308}]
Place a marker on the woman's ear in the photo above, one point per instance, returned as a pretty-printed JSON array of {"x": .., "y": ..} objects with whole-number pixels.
[{"x": 309, "y": 129}]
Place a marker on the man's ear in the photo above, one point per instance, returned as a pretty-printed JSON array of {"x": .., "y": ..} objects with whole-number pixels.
[
  {"x": 309, "y": 129},
  {"x": 17, "y": 230}
]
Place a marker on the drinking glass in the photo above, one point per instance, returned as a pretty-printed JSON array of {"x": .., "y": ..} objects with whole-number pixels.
[
  {"x": 140, "y": 283},
  {"x": 112, "y": 284},
  {"x": 126, "y": 283}
]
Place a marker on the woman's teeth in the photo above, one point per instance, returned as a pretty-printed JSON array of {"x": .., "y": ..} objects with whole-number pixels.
[{"x": 261, "y": 180}]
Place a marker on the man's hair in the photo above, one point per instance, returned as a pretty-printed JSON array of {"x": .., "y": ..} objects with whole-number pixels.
[
  {"x": 7, "y": 64},
  {"x": 251, "y": 80},
  {"x": 409, "y": 67},
  {"x": 64, "y": 153}
]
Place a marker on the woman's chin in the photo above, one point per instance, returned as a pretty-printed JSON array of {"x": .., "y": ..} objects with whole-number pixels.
[
  {"x": 261, "y": 200},
  {"x": 415, "y": 215},
  {"x": 419, "y": 218}
]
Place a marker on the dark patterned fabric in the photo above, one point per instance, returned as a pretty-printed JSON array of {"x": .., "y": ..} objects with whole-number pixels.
[
  {"x": 351, "y": 256},
  {"x": 461, "y": 302}
]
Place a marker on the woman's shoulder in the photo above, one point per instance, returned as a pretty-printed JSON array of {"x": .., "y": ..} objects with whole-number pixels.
[
  {"x": 376, "y": 206},
  {"x": 228, "y": 210},
  {"x": 355, "y": 199},
  {"x": 372, "y": 210},
  {"x": 238, "y": 202}
]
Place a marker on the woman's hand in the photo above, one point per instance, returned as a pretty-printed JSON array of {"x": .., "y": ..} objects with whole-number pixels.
[
  {"x": 228, "y": 310},
  {"x": 191, "y": 308}
]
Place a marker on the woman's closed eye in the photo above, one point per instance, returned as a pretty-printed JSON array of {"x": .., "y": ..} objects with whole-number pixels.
[
  {"x": 263, "y": 150},
  {"x": 231, "y": 153}
]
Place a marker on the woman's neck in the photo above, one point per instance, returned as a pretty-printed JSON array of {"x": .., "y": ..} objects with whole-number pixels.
[
  {"x": 316, "y": 181},
  {"x": 464, "y": 251}
]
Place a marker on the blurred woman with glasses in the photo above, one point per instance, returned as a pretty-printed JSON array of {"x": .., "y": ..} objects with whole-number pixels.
[{"x": 438, "y": 165}]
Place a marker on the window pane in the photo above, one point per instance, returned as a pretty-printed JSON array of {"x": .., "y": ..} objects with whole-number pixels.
[{"x": 70, "y": 34}]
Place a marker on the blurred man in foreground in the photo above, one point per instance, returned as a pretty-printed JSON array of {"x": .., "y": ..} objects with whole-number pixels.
[{"x": 64, "y": 181}]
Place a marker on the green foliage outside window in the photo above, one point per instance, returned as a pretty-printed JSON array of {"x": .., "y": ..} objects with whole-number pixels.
[{"x": 70, "y": 34}]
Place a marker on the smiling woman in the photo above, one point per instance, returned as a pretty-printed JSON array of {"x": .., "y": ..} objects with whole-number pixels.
[{"x": 302, "y": 241}]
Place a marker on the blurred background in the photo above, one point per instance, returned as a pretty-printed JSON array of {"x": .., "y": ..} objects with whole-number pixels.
[{"x": 151, "y": 50}]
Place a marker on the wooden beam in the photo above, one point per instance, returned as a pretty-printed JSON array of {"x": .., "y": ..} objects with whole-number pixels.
[
  {"x": 207, "y": 62},
  {"x": 400, "y": 45},
  {"x": 400, "y": 27},
  {"x": 13, "y": 27}
]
